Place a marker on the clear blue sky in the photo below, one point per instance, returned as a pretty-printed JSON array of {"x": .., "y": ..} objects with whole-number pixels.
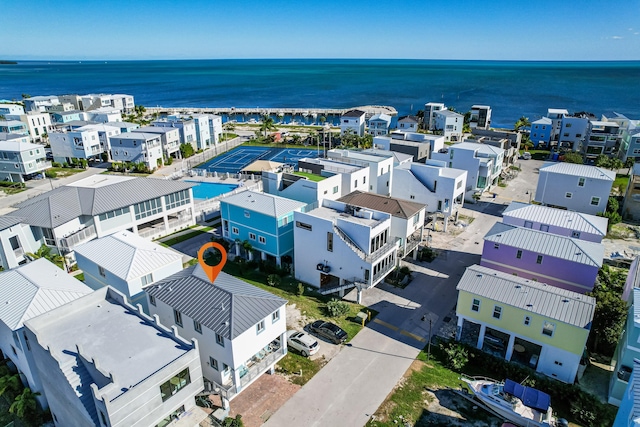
[{"x": 423, "y": 29}]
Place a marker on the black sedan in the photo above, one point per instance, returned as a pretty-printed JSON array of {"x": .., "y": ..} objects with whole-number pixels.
[{"x": 329, "y": 331}]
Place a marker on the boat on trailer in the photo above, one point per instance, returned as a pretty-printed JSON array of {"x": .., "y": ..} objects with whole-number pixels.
[{"x": 518, "y": 404}]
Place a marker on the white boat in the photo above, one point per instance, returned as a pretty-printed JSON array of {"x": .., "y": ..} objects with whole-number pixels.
[{"x": 518, "y": 404}]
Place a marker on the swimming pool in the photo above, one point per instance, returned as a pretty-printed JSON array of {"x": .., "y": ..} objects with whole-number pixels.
[{"x": 209, "y": 190}]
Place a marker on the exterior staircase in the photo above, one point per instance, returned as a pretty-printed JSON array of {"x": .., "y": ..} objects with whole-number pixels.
[{"x": 80, "y": 381}]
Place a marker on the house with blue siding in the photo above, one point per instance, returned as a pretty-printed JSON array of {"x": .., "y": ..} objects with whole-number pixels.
[
  {"x": 629, "y": 412},
  {"x": 263, "y": 220}
]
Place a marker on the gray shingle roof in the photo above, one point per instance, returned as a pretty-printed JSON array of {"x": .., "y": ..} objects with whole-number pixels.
[
  {"x": 229, "y": 306},
  {"x": 61, "y": 205},
  {"x": 264, "y": 203},
  {"x": 585, "y": 171},
  {"x": 539, "y": 298},
  {"x": 558, "y": 217},
  {"x": 581, "y": 251}
]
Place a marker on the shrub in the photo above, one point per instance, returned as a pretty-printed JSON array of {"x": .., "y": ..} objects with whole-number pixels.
[
  {"x": 273, "y": 280},
  {"x": 405, "y": 270},
  {"x": 336, "y": 308},
  {"x": 168, "y": 161},
  {"x": 300, "y": 289},
  {"x": 56, "y": 165},
  {"x": 457, "y": 355}
]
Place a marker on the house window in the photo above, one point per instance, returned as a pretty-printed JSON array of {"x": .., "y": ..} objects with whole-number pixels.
[
  {"x": 101, "y": 271},
  {"x": 220, "y": 339},
  {"x": 497, "y": 312},
  {"x": 527, "y": 320},
  {"x": 260, "y": 327},
  {"x": 595, "y": 201},
  {"x": 475, "y": 306},
  {"x": 416, "y": 219},
  {"x": 177, "y": 316},
  {"x": 197, "y": 326},
  {"x": 235, "y": 230},
  {"x": 335, "y": 189},
  {"x": 26, "y": 340},
  {"x": 575, "y": 234},
  {"x": 275, "y": 316},
  {"x": 548, "y": 328},
  {"x": 496, "y": 246},
  {"x": 539, "y": 259},
  {"x": 152, "y": 300},
  {"x": 213, "y": 362},
  {"x": 568, "y": 195},
  {"x": 329, "y": 241},
  {"x": 247, "y": 214},
  {"x": 581, "y": 182},
  {"x": 174, "y": 385},
  {"x": 519, "y": 254},
  {"x": 262, "y": 240},
  {"x": 304, "y": 226},
  {"x": 146, "y": 279},
  {"x": 412, "y": 197},
  {"x": 177, "y": 199},
  {"x": 355, "y": 183},
  {"x": 544, "y": 227},
  {"x": 252, "y": 236},
  {"x": 364, "y": 180},
  {"x": 558, "y": 363},
  {"x": 528, "y": 224},
  {"x": 147, "y": 208}
]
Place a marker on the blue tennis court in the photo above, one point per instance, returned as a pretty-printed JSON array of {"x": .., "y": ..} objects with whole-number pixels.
[{"x": 235, "y": 160}]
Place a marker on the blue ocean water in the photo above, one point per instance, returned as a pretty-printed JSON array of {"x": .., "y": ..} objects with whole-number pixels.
[{"x": 512, "y": 89}]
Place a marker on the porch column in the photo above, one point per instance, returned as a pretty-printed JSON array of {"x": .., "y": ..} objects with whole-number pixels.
[
  {"x": 415, "y": 252},
  {"x": 358, "y": 295},
  {"x": 483, "y": 329},
  {"x": 459, "y": 328},
  {"x": 225, "y": 403},
  {"x": 457, "y": 214},
  {"x": 237, "y": 249},
  {"x": 512, "y": 339},
  {"x": 446, "y": 222},
  {"x": 263, "y": 256},
  {"x": 236, "y": 379},
  {"x": 279, "y": 261}
]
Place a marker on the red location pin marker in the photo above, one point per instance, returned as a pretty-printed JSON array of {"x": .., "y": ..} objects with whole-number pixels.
[{"x": 212, "y": 270}]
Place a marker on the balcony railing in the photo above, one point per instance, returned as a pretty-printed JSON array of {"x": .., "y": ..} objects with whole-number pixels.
[
  {"x": 382, "y": 273},
  {"x": 259, "y": 365},
  {"x": 68, "y": 243}
]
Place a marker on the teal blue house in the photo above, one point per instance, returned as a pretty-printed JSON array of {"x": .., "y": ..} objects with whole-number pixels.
[{"x": 264, "y": 221}]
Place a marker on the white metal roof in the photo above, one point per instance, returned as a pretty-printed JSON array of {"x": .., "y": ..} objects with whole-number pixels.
[
  {"x": 474, "y": 146},
  {"x": 580, "y": 251},
  {"x": 127, "y": 255},
  {"x": 264, "y": 203},
  {"x": 539, "y": 298},
  {"x": 558, "y": 217},
  {"x": 574, "y": 169},
  {"x": 19, "y": 146}
]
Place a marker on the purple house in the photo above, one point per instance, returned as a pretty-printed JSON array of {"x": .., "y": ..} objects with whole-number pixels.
[
  {"x": 573, "y": 224},
  {"x": 560, "y": 261}
]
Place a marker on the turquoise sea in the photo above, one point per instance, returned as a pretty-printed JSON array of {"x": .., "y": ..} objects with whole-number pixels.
[{"x": 512, "y": 89}]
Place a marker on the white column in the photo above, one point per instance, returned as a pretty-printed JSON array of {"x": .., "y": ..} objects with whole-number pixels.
[
  {"x": 512, "y": 339},
  {"x": 483, "y": 329},
  {"x": 459, "y": 328},
  {"x": 263, "y": 256},
  {"x": 279, "y": 261}
]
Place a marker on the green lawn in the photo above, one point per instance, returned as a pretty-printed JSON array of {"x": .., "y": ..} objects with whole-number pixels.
[
  {"x": 311, "y": 176},
  {"x": 226, "y": 136},
  {"x": 65, "y": 172},
  {"x": 620, "y": 183},
  {"x": 274, "y": 145},
  {"x": 181, "y": 238},
  {"x": 299, "y": 369}
]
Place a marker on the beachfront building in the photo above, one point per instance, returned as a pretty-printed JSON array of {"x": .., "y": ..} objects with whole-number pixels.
[
  {"x": 510, "y": 152},
  {"x": 186, "y": 127},
  {"x": 8, "y": 108},
  {"x": 95, "y": 101},
  {"x": 351, "y": 247},
  {"x": 39, "y": 103},
  {"x": 526, "y": 322},
  {"x": 433, "y": 184},
  {"x": 81, "y": 143},
  {"x": 137, "y": 147},
  {"x": 556, "y": 115},
  {"x": 630, "y": 141},
  {"x": 380, "y": 168},
  {"x": 100, "y": 205},
  {"x": 574, "y": 187},
  {"x": 38, "y": 124},
  {"x": 103, "y": 115},
  {"x": 407, "y": 218},
  {"x": 138, "y": 372},
  {"x": 576, "y": 225},
  {"x": 631, "y": 203},
  {"x": 408, "y": 124},
  {"x": 16, "y": 241},
  {"x": 482, "y": 162},
  {"x": 418, "y": 150},
  {"x": 202, "y": 124},
  {"x": 480, "y": 117},
  {"x": 20, "y": 161},
  {"x": 573, "y": 131},
  {"x": 262, "y": 220},
  {"x": 15, "y": 127},
  {"x": 601, "y": 138},
  {"x": 14, "y": 137},
  {"x": 399, "y": 159},
  {"x": 170, "y": 138},
  {"x": 58, "y": 117},
  {"x": 494, "y": 137},
  {"x": 436, "y": 142},
  {"x": 104, "y": 133},
  {"x": 126, "y": 262},
  {"x": 379, "y": 124},
  {"x": 353, "y": 121},
  {"x": 430, "y": 110},
  {"x": 29, "y": 291},
  {"x": 215, "y": 128},
  {"x": 540, "y": 134},
  {"x": 241, "y": 329},
  {"x": 559, "y": 261},
  {"x": 450, "y": 124}
]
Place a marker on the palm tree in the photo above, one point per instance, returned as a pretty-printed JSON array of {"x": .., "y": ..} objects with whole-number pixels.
[
  {"x": 267, "y": 124},
  {"x": 25, "y": 404},
  {"x": 10, "y": 385},
  {"x": 523, "y": 122}
]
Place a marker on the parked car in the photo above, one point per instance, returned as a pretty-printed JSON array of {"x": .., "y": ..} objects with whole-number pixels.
[
  {"x": 329, "y": 331},
  {"x": 526, "y": 155},
  {"x": 302, "y": 342}
]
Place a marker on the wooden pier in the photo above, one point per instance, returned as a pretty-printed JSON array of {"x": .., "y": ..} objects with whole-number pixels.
[{"x": 370, "y": 110}]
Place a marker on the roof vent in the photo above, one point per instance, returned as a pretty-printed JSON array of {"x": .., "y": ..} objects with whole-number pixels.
[
  {"x": 565, "y": 300},
  {"x": 518, "y": 286},
  {"x": 578, "y": 253},
  {"x": 529, "y": 305}
]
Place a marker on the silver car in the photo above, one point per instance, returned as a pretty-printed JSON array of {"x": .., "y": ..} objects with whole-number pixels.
[{"x": 302, "y": 342}]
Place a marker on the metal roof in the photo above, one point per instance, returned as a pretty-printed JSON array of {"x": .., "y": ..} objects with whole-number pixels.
[
  {"x": 61, "y": 205},
  {"x": 13, "y": 145},
  {"x": 127, "y": 255},
  {"x": 574, "y": 169},
  {"x": 354, "y": 113},
  {"x": 558, "y": 217},
  {"x": 267, "y": 204},
  {"x": 35, "y": 288},
  {"x": 581, "y": 251},
  {"x": 228, "y": 306},
  {"x": 396, "y": 207},
  {"x": 474, "y": 146},
  {"x": 7, "y": 221},
  {"x": 539, "y": 298}
]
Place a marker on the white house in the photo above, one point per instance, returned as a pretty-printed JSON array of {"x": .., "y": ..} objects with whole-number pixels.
[
  {"x": 28, "y": 291},
  {"x": 122, "y": 102},
  {"x": 38, "y": 103},
  {"x": 353, "y": 121},
  {"x": 105, "y": 363},
  {"x": 14, "y": 137},
  {"x": 408, "y": 124},
  {"x": 352, "y": 247},
  {"x": 480, "y": 117},
  {"x": 379, "y": 124},
  {"x": 215, "y": 128},
  {"x": 16, "y": 240},
  {"x": 20, "y": 160},
  {"x": 629, "y": 136},
  {"x": 103, "y": 115},
  {"x": 482, "y": 162},
  {"x": 436, "y": 142},
  {"x": 170, "y": 138},
  {"x": 38, "y": 124},
  {"x": 128, "y": 263},
  {"x": 202, "y": 128},
  {"x": 541, "y": 131},
  {"x": 137, "y": 147},
  {"x": 574, "y": 187},
  {"x": 8, "y": 108},
  {"x": 81, "y": 143},
  {"x": 380, "y": 168},
  {"x": 573, "y": 224},
  {"x": 407, "y": 217},
  {"x": 450, "y": 123},
  {"x": 556, "y": 115},
  {"x": 601, "y": 138},
  {"x": 418, "y": 150},
  {"x": 187, "y": 129},
  {"x": 430, "y": 110},
  {"x": 433, "y": 184},
  {"x": 104, "y": 133},
  {"x": 15, "y": 127},
  {"x": 399, "y": 158},
  {"x": 241, "y": 329}
]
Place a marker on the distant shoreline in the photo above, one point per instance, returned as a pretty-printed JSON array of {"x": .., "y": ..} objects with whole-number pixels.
[{"x": 8, "y": 62}]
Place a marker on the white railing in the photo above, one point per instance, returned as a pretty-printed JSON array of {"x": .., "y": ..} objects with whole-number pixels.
[
  {"x": 350, "y": 243},
  {"x": 69, "y": 242}
]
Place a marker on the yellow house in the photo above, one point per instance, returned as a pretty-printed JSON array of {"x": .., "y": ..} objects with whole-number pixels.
[{"x": 523, "y": 321}]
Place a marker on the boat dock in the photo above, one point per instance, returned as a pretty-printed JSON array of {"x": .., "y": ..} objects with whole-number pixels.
[{"x": 370, "y": 110}]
